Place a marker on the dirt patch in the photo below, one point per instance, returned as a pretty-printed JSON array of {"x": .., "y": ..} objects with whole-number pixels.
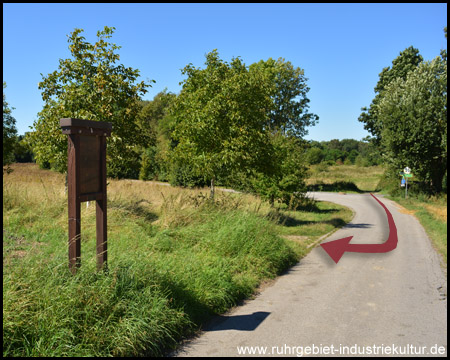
[
  {"x": 18, "y": 253},
  {"x": 18, "y": 240}
]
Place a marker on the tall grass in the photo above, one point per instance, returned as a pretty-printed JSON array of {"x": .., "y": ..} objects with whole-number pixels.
[{"x": 174, "y": 259}]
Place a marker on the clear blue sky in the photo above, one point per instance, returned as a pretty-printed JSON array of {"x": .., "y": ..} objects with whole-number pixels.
[{"x": 341, "y": 47}]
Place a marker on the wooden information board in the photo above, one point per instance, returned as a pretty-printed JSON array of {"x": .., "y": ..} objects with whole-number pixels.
[{"x": 86, "y": 181}]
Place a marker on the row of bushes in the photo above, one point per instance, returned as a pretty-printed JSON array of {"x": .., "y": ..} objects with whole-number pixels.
[{"x": 346, "y": 151}]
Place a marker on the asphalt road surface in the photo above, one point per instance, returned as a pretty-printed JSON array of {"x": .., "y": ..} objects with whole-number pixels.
[{"x": 388, "y": 304}]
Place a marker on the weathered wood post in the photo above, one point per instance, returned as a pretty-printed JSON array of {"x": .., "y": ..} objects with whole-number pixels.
[{"x": 86, "y": 177}]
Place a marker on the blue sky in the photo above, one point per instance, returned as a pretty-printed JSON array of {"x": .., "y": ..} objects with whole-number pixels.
[{"x": 341, "y": 47}]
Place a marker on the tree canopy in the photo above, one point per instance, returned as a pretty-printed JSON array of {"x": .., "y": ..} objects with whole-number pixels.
[
  {"x": 413, "y": 112},
  {"x": 220, "y": 116},
  {"x": 228, "y": 119},
  {"x": 237, "y": 120},
  {"x": 288, "y": 90},
  {"x": 9, "y": 131},
  {"x": 284, "y": 178},
  {"x": 408, "y": 116},
  {"x": 92, "y": 86},
  {"x": 407, "y": 61},
  {"x": 156, "y": 121}
]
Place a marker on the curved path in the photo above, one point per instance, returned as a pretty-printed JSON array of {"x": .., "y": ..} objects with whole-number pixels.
[{"x": 388, "y": 303}]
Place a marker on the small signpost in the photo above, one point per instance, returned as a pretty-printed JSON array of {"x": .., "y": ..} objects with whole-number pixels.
[
  {"x": 405, "y": 175},
  {"x": 86, "y": 177}
]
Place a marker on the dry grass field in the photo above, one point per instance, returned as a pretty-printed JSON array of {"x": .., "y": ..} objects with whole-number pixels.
[{"x": 363, "y": 178}]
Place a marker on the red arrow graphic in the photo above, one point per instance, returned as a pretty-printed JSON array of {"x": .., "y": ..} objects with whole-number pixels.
[{"x": 337, "y": 248}]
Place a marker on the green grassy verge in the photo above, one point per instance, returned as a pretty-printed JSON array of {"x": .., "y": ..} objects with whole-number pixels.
[
  {"x": 432, "y": 214},
  {"x": 431, "y": 211},
  {"x": 174, "y": 259}
]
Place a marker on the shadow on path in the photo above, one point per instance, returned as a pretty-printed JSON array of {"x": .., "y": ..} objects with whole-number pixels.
[
  {"x": 359, "y": 226},
  {"x": 238, "y": 322}
]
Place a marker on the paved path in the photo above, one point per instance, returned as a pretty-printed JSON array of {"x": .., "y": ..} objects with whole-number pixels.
[{"x": 397, "y": 299}]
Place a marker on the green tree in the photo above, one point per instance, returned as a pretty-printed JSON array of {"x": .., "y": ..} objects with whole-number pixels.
[
  {"x": 353, "y": 154},
  {"x": 152, "y": 114},
  {"x": 407, "y": 61},
  {"x": 334, "y": 144},
  {"x": 220, "y": 118},
  {"x": 284, "y": 178},
  {"x": 334, "y": 155},
  {"x": 348, "y": 145},
  {"x": 413, "y": 112},
  {"x": 314, "y": 156},
  {"x": 148, "y": 165},
  {"x": 155, "y": 120},
  {"x": 9, "y": 132},
  {"x": 289, "y": 95},
  {"x": 91, "y": 85},
  {"x": 22, "y": 152}
]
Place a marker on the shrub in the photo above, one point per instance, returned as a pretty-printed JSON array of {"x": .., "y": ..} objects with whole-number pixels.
[
  {"x": 182, "y": 174},
  {"x": 148, "y": 164},
  {"x": 362, "y": 161},
  {"x": 348, "y": 162},
  {"x": 314, "y": 156}
]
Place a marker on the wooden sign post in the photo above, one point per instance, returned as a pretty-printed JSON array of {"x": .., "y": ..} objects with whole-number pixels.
[{"x": 86, "y": 178}]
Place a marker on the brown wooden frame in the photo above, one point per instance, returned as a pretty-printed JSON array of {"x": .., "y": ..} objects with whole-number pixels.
[{"x": 86, "y": 170}]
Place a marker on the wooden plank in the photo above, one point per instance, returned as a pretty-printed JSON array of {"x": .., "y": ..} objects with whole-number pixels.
[
  {"x": 102, "y": 250},
  {"x": 74, "y": 205},
  {"x": 102, "y": 240},
  {"x": 91, "y": 197},
  {"x": 71, "y": 122},
  {"x": 89, "y": 164},
  {"x": 86, "y": 131}
]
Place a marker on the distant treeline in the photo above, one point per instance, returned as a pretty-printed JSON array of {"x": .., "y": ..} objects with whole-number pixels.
[
  {"x": 347, "y": 151},
  {"x": 21, "y": 152}
]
